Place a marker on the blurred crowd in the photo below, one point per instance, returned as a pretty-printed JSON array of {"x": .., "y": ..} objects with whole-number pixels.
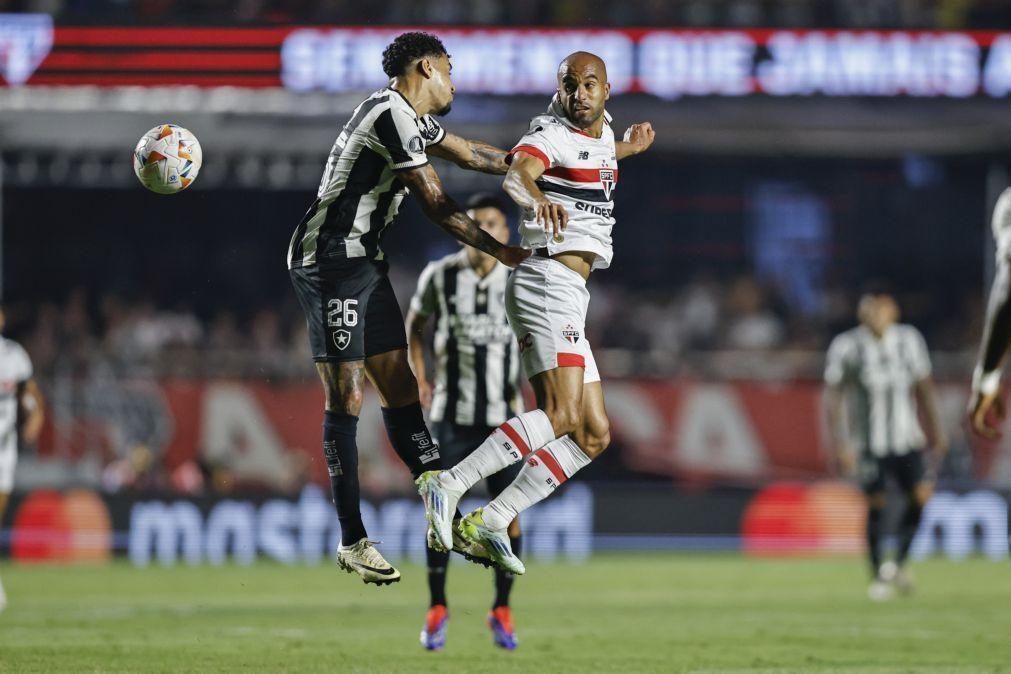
[
  {"x": 689, "y": 330},
  {"x": 927, "y": 14},
  {"x": 99, "y": 359}
]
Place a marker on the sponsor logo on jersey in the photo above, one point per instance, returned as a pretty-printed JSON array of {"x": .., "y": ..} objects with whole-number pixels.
[
  {"x": 415, "y": 144},
  {"x": 570, "y": 334},
  {"x": 591, "y": 208},
  {"x": 584, "y": 155},
  {"x": 607, "y": 180},
  {"x": 429, "y": 129},
  {"x": 341, "y": 339}
]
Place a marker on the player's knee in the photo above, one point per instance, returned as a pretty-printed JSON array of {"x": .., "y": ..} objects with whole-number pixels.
[
  {"x": 593, "y": 436},
  {"x": 345, "y": 400},
  {"x": 564, "y": 419}
]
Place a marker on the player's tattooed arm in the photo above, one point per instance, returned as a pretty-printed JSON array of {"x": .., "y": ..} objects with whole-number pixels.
[
  {"x": 637, "y": 140},
  {"x": 471, "y": 154},
  {"x": 442, "y": 210},
  {"x": 521, "y": 184}
]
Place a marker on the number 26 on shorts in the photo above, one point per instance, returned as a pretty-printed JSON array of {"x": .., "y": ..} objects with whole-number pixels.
[{"x": 342, "y": 313}]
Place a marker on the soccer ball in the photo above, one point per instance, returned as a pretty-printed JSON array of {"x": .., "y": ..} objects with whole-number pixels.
[{"x": 167, "y": 159}]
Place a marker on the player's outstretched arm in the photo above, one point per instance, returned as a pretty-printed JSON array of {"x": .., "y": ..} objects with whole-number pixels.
[
  {"x": 521, "y": 184},
  {"x": 637, "y": 140},
  {"x": 442, "y": 210},
  {"x": 470, "y": 154}
]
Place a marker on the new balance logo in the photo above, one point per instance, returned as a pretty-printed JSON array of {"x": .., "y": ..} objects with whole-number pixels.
[{"x": 584, "y": 155}]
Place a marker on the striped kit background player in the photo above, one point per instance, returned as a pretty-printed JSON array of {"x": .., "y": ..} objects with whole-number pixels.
[
  {"x": 359, "y": 195},
  {"x": 881, "y": 374},
  {"x": 477, "y": 363}
]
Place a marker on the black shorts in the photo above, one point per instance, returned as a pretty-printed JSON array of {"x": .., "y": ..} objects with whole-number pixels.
[
  {"x": 350, "y": 308},
  {"x": 457, "y": 442},
  {"x": 907, "y": 470}
]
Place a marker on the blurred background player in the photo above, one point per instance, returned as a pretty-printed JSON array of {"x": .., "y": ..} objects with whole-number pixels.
[
  {"x": 985, "y": 395},
  {"x": 563, "y": 174},
  {"x": 477, "y": 386},
  {"x": 340, "y": 276},
  {"x": 879, "y": 368},
  {"x": 21, "y": 415}
]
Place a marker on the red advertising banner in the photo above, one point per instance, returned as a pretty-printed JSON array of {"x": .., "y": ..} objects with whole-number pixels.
[
  {"x": 266, "y": 435},
  {"x": 662, "y": 62}
]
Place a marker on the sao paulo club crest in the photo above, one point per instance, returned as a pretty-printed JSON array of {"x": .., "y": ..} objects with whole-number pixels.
[
  {"x": 570, "y": 334},
  {"x": 607, "y": 180}
]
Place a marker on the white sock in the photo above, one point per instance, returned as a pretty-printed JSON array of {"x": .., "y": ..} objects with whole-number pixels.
[
  {"x": 542, "y": 473},
  {"x": 510, "y": 442}
]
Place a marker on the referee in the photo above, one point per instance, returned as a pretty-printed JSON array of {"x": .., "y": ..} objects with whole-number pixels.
[
  {"x": 880, "y": 368},
  {"x": 476, "y": 385}
]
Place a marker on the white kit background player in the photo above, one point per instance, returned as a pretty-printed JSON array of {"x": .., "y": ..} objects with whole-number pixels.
[
  {"x": 20, "y": 415},
  {"x": 563, "y": 174},
  {"x": 986, "y": 407}
]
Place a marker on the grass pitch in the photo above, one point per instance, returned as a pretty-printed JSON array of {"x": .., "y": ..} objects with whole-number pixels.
[{"x": 675, "y": 613}]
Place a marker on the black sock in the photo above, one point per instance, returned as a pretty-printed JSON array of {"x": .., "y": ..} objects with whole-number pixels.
[
  {"x": 908, "y": 527},
  {"x": 438, "y": 563},
  {"x": 410, "y": 438},
  {"x": 504, "y": 579},
  {"x": 341, "y": 453},
  {"x": 875, "y": 518}
]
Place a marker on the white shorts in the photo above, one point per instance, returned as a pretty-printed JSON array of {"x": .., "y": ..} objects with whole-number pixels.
[
  {"x": 8, "y": 461},
  {"x": 546, "y": 303}
]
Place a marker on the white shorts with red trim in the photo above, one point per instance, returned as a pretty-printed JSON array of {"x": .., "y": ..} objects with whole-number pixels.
[{"x": 546, "y": 303}]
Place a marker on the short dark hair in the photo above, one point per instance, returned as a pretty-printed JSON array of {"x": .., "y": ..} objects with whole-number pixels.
[
  {"x": 877, "y": 287},
  {"x": 407, "y": 48},
  {"x": 486, "y": 200}
]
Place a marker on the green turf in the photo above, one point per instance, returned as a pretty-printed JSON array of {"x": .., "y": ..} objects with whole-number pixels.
[{"x": 641, "y": 614}]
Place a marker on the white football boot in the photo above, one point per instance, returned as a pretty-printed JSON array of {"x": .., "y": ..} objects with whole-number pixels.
[
  {"x": 440, "y": 505},
  {"x": 496, "y": 543},
  {"x": 363, "y": 558}
]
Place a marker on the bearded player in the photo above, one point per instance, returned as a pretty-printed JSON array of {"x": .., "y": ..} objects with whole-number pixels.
[
  {"x": 563, "y": 173},
  {"x": 339, "y": 270}
]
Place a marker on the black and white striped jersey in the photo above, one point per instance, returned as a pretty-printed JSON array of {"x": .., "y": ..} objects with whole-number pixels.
[
  {"x": 477, "y": 366},
  {"x": 360, "y": 194},
  {"x": 878, "y": 376}
]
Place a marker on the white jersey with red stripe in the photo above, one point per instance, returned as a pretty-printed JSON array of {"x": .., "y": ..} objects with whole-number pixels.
[{"x": 580, "y": 173}]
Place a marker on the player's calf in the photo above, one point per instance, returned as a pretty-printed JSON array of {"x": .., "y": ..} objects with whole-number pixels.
[
  {"x": 508, "y": 444},
  {"x": 544, "y": 471}
]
